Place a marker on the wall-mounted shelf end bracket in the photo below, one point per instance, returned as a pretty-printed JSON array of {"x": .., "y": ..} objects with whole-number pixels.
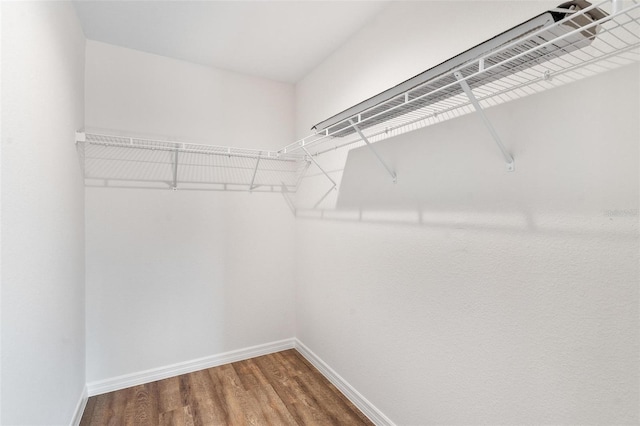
[
  {"x": 508, "y": 158},
  {"x": 81, "y": 136},
  {"x": 393, "y": 174}
]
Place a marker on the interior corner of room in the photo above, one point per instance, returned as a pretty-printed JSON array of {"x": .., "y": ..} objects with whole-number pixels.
[{"x": 433, "y": 203}]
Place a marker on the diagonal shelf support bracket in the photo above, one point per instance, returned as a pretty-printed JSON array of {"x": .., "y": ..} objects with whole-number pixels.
[
  {"x": 373, "y": 150},
  {"x": 318, "y": 166},
  {"x": 255, "y": 172},
  {"x": 474, "y": 101}
]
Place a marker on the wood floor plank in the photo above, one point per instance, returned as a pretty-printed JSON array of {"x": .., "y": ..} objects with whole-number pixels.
[
  {"x": 227, "y": 389},
  {"x": 260, "y": 390},
  {"x": 145, "y": 411},
  {"x": 130, "y": 407},
  {"x": 303, "y": 407},
  {"x": 291, "y": 363},
  {"x": 169, "y": 398},
  {"x": 302, "y": 362},
  {"x": 336, "y": 406},
  {"x": 177, "y": 417},
  {"x": 273, "y": 409},
  {"x": 117, "y": 406},
  {"x": 249, "y": 374},
  {"x": 101, "y": 409},
  {"x": 88, "y": 412},
  {"x": 206, "y": 406},
  {"x": 276, "y": 389}
]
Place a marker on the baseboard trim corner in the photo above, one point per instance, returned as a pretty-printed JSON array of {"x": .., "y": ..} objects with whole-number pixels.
[
  {"x": 364, "y": 405},
  {"x": 121, "y": 382},
  {"x": 80, "y": 406}
]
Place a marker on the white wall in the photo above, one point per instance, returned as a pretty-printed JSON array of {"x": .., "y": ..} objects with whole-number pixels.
[
  {"x": 176, "y": 275},
  {"x": 43, "y": 351},
  {"x": 465, "y": 294}
]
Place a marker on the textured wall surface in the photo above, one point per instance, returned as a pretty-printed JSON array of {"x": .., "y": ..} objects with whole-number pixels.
[
  {"x": 43, "y": 339},
  {"x": 177, "y": 275},
  {"x": 465, "y": 294}
]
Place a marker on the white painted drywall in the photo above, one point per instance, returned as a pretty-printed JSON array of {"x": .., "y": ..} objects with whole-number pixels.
[
  {"x": 43, "y": 351},
  {"x": 464, "y": 294},
  {"x": 176, "y": 275}
]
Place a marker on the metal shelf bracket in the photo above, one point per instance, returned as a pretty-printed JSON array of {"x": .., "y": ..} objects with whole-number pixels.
[
  {"x": 384, "y": 164},
  {"x": 255, "y": 172},
  {"x": 333, "y": 182},
  {"x": 474, "y": 101}
]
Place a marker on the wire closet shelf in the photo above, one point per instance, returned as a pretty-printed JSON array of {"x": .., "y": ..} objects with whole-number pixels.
[
  {"x": 583, "y": 43},
  {"x": 118, "y": 161}
]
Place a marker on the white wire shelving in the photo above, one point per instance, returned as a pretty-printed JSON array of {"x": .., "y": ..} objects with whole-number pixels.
[
  {"x": 118, "y": 161},
  {"x": 515, "y": 70},
  {"x": 531, "y": 64}
]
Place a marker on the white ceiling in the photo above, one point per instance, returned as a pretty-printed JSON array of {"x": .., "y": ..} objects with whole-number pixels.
[{"x": 279, "y": 40}]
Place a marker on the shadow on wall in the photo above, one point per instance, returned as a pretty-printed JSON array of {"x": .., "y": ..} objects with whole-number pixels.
[
  {"x": 576, "y": 158},
  {"x": 620, "y": 224}
]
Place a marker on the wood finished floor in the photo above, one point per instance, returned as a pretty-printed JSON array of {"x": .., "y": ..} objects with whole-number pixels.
[{"x": 278, "y": 389}]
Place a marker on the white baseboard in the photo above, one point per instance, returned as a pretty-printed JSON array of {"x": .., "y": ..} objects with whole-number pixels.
[
  {"x": 369, "y": 410},
  {"x": 80, "y": 406},
  {"x": 142, "y": 377}
]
